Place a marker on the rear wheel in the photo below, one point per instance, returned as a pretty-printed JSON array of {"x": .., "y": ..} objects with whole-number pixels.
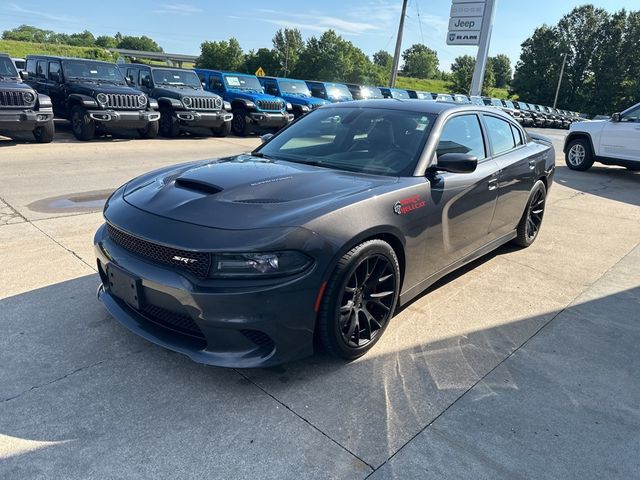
[
  {"x": 239, "y": 124},
  {"x": 579, "y": 156},
  {"x": 359, "y": 300},
  {"x": 83, "y": 127},
  {"x": 222, "y": 131},
  {"x": 169, "y": 126},
  {"x": 44, "y": 133},
  {"x": 531, "y": 220},
  {"x": 150, "y": 131}
]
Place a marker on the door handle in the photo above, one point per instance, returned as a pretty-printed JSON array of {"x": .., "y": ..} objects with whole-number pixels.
[{"x": 493, "y": 184}]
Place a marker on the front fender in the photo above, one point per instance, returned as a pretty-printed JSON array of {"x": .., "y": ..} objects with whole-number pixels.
[
  {"x": 84, "y": 100},
  {"x": 573, "y": 135},
  {"x": 243, "y": 103},
  {"x": 170, "y": 103},
  {"x": 44, "y": 101}
]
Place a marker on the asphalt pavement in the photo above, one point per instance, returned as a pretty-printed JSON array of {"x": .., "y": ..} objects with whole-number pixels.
[{"x": 522, "y": 365}]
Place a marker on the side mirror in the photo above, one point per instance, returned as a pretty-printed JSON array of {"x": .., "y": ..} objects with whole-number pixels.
[
  {"x": 615, "y": 117},
  {"x": 23, "y": 75},
  {"x": 456, "y": 163},
  {"x": 266, "y": 137},
  {"x": 129, "y": 80},
  {"x": 204, "y": 85}
]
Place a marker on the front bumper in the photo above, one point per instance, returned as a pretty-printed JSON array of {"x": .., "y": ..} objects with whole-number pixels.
[
  {"x": 124, "y": 118},
  {"x": 216, "y": 323},
  {"x": 269, "y": 120},
  {"x": 203, "y": 119},
  {"x": 24, "y": 120}
]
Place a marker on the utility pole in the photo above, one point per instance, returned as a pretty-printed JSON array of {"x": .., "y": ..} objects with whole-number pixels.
[
  {"x": 483, "y": 47},
  {"x": 396, "y": 56},
  {"x": 555, "y": 100}
]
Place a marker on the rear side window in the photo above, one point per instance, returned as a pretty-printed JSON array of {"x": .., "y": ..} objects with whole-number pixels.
[
  {"x": 517, "y": 135},
  {"x": 41, "y": 69},
  {"x": 500, "y": 134},
  {"x": 462, "y": 134}
]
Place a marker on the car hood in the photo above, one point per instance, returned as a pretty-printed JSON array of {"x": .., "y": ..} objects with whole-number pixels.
[
  {"x": 301, "y": 100},
  {"x": 14, "y": 85},
  {"x": 246, "y": 192},
  {"x": 176, "y": 92},
  {"x": 92, "y": 89},
  {"x": 253, "y": 96},
  {"x": 588, "y": 126}
]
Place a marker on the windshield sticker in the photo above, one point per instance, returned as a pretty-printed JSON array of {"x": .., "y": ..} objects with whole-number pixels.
[
  {"x": 93, "y": 72},
  {"x": 406, "y": 205},
  {"x": 233, "y": 81}
]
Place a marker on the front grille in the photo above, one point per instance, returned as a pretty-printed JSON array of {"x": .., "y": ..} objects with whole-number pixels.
[
  {"x": 196, "y": 263},
  {"x": 13, "y": 98},
  {"x": 273, "y": 105},
  {"x": 175, "y": 321},
  {"x": 205, "y": 103},
  {"x": 123, "y": 101}
]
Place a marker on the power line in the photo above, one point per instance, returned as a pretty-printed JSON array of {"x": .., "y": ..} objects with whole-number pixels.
[{"x": 419, "y": 21}]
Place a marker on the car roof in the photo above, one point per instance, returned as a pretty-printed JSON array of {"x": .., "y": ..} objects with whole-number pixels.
[
  {"x": 224, "y": 72},
  {"x": 415, "y": 105},
  {"x": 268, "y": 77},
  {"x": 56, "y": 57}
]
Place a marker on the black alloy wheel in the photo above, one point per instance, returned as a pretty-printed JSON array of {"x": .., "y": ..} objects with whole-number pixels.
[
  {"x": 360, "y": 299},
  {"x": 531, "y": 221},
  {"x": 239, "y": 123}
]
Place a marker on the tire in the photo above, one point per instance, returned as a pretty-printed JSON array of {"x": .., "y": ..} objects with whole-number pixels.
[
  {"x": 169, "y": 126},
  {"x": 531, "y": 221},
  {"x": 150, "y": 131},
  {"x": 345, "y": 337},
  {"x": 44, "y": 133},
  {"x": 239, "y": 124},
  {"x": 579, "y": 155},
  {"x": 83, "y": 127},
  {"x": 222, "y": 131}
]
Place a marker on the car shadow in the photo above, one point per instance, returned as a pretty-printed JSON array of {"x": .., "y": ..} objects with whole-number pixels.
[{"x": 611, "y": 182}]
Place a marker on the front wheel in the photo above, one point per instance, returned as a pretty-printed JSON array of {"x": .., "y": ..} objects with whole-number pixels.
[
  {"x": 150, "y": 131},
  {"x": 222, "y": 131},
  {"x": 239, "y": 124},
  {"x": 44, "y": 133},
  {"x": 579, "y": 156},
  {"x": 83, "y": 127},
  {"x": 169, "y": 125},
  {"x": 531, "y": 220},
  {"x": 359, "y": 300}
]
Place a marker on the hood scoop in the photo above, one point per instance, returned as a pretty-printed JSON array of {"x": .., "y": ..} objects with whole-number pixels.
[{"x": 197, "y": 185}]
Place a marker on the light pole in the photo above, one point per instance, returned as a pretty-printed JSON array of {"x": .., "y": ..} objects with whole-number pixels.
[
  {"x": 396, "y": 56},
  {"x": 555, "y": 100}
]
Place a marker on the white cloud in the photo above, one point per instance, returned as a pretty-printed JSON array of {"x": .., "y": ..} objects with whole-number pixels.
[
  {"x": 178, "y": 9},
  {"x": 41, "y": 14},
  {"x": 317, "y": 22}
]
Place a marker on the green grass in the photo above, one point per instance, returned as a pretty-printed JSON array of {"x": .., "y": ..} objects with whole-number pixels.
[
  {"x": 22, "y": 49},
  {"x": 441, "y": 86}
]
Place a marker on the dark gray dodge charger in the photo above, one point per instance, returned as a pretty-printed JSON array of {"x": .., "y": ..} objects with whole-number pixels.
[{"x": 318, "y": 235}]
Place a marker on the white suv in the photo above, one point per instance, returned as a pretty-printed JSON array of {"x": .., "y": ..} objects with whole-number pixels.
[{"x": 612, "y": 142}]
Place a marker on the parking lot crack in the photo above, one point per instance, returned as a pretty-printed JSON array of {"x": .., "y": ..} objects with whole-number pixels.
[
  {"x": 92, "y": 267},
  {"x": 371, "y": 468}
]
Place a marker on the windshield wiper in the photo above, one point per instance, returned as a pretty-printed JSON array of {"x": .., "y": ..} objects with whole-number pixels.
[{"x": 262, "y": 155}]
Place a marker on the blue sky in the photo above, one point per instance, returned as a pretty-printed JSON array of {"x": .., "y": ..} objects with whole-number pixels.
[{"x": 181, "y": 26}]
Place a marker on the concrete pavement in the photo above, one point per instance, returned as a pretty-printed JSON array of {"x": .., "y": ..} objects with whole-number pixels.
[{"x": 472, "y": 380}]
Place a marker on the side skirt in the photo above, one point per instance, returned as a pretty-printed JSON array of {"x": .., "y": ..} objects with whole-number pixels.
[{"x": 427, "y": 282}]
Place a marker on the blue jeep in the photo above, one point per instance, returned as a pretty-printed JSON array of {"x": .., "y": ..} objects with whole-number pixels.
[
  {"x": 253, "y": 110},
  {"x": 293, "y": 91},
  {"x": 333, "y": 92}
]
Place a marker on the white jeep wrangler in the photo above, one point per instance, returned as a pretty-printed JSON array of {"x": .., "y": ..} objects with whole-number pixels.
[{"x": 612, "y": 142}]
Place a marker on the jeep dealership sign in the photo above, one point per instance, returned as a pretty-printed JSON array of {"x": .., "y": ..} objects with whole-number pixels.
[{"x": 465, "y": 22}]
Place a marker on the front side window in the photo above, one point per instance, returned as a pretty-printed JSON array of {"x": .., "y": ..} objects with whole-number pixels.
[
  {"x": 92, "y": 71},
  {"x": 54, "y": 71},
  {"x": 366, "y": 140},
  {"x": 145, "y": 77},
  {"x": 462, "y": 134},
  {"x": 500, "y": 134},
  {"x": 41, "y": 69},
  {"x": 631, "y": 115},
  {"x": 215, "y": 83}
]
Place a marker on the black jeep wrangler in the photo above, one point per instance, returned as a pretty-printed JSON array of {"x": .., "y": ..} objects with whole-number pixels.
[
  {"x": 93, "y": 95},
  {"x": 21, "y": 108},
  {"x": 182, "y": 100}
]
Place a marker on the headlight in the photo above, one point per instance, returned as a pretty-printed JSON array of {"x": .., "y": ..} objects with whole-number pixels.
[
  {"x": 142, "y": 100},
  {"x": 249, "y": 104},
  {"x": 249, "y": 265},
  {"x": 304, "y": 108},
  {"x": 186, "y": 101},
  {"x": 102, "y": 99},
  {"x": 289, "y": 106},
  {"x": 28, "y": 97}
]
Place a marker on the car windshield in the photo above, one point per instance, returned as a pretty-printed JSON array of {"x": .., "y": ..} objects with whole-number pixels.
[
  {"x": 371, "y": 92},
  {"x": 444, "y": 97},
  {"x": 424, "y": 96},
  {"x": 459, "y": 98},
  {"x": 176, "y": 77},
  {"x": 509, "y": 104},
  {"x": 7, "y": 68},
  {"x": 398, "y": 93},
  {"x": 294, "y": 87},
  {"x": 477, "y": 101},
  {"x": 96, "y": 71},
  {"x": 243, "y": 82},
  {"x": 338, "y": 90},
  {"x": 358, "y": 139}
]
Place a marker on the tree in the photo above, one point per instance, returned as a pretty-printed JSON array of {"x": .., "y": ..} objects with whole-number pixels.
[
  {"x": 462, "y": 73},
  {"x": 383, "y": 59},
  {"x": 27, "y": 33},
  {"x": 221, "y": 55},
  {"x": 287, "y": 47},
  {"x": 84, "y": 39},
  {"x": 501, "y": 67},
  {"x": 142, "y": 43},
  {"x": 105, "y": 41},
  {"x": 420, "y": 61},
  {"x": 263, "y": 58}
]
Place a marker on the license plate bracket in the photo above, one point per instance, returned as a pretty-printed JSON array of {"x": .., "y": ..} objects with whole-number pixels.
[{"x": 124, "y": 286}]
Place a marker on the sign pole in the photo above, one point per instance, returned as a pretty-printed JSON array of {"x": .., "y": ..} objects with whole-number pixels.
[
  {"x": 396, "y": 56},
  {"x": 483, "y": 47},
  {"x": 555, "y": 100}
]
